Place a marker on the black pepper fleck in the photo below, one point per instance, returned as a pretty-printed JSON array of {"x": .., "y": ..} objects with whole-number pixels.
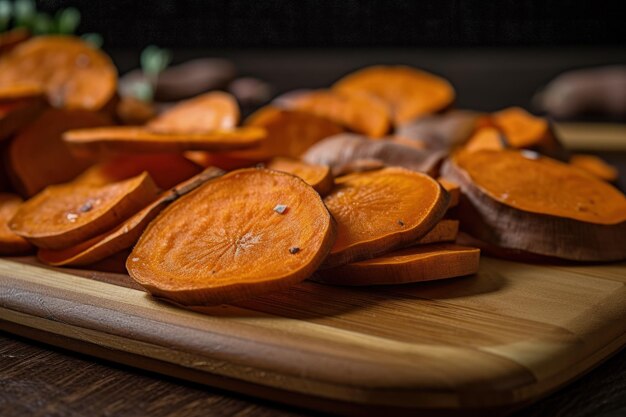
[
  {"x": 400, "y": 222},
  {"x": 294, "y": 250},
  {"x": 86, "y": 207}
]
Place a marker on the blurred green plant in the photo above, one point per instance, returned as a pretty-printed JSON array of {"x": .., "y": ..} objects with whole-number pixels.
[
  {"x": 24, "y": 14},
  {"x": 153, "y": 61}
]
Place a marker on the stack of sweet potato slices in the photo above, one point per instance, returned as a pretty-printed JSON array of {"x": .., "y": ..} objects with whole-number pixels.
[{"x": 368, "y": 182}]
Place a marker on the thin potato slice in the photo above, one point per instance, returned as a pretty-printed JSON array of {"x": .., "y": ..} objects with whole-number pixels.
[
  {"x": 523, "y": 201},
  {"x": 119, "y": 139},
  {"x": 74, "y": 74},
  {"x": 38, "y": 157},
  {"x": 486, "y": 138},
  {"x": 289, "y": 133},
  {"x": 249, "y": 232},
  {"x": 127, "y": 233},
  {"x": 445, "y": 231},
  {"x": 595, "y": 166},
  {"x": 10, "y": 243},
  {"x": 378, "y": 211},
  {"x": 359, "y": 112},
  {"x": 409, "y": 92},
  {"x": 317, "y": 176},
  {"x": 202, "y": 114},
  {"x": 67, "y": 214},
  {"x": 416, "y": 264}
]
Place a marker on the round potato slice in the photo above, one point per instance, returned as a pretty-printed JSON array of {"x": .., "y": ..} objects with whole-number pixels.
[
  {"x": 246, "y": 233},
  {"x": 72, "y": 72},
  {"x": 378, "y": 211}
]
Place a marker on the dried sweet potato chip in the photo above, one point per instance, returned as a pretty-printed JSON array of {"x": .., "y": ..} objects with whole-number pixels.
[
  {"x": 444, "y": 231},
  {"x": 415, "y": 264},
  {"x": 167, "y": 170},
  {"x": 486, "y": 138},
  {"x": 38, "y": 157},
  {"x": 595, "y": 166},
  {"x": 289, "y": 133},
  {"x": 222, "y": 160},
  {"x": 409, "y": 92},
  {"x": 67, "y": 214},
  {"x": 378, "y": 211},
  {"x": 120, "y": 139},
  {"x": 10, "y": 243},
  {"x": 520, "y": 200},
  {"x": 202, "y": 114},
  {"x": 127, "y": 233},
  {"x": 359, "y": 112},
  {"x": 248, "y": 232},
  {"x": 317, "y": 176},
  {"x": 74, "y": 74},
  {"x": 342, "y": 153}
]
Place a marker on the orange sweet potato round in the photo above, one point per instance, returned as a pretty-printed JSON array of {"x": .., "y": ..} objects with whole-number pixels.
[
  {"x": 416, "y": 264},
  {"x": 378, "y": 211},
  {"x": 120, "y": 139},
  {"x": 289, "y": 133},
  {"x": 126, "y": 234},
  {"x": 67, "y": 214},
  {"x": 202, "y": 114},
  {"x": 74, "y": 74},
  {"x": 248, "y": 232},
  {"x": 359, "y": 112},
  {"x": 317, "y": 176},
  {"x": 10, "y": 243},
  {"x": 409, "y": 92}
]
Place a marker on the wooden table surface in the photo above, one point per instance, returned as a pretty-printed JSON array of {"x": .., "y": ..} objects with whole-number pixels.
[{"x": 38, "y": 380}]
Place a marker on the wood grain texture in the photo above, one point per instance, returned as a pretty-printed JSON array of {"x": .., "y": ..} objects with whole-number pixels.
[{"x": 501, "y": 338}]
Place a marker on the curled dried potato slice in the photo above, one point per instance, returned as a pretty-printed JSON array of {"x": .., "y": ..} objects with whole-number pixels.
[
  {"x": 317, "y": 176},
  {"x": 67, "y": 214},
  {"x": 10, "y": 243},
  {"x": 202, "y": 114},
  {"x": 409, "y": 92}
]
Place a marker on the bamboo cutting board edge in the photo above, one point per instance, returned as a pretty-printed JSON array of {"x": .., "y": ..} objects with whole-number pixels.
[{"x": 530, "y": 388}]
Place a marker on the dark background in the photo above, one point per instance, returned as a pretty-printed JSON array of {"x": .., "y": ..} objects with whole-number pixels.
[{"x": 350, "y": 23}]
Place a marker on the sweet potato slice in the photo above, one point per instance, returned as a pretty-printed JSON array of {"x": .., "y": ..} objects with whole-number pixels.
[
  {"x": 317, "y": 176},
  {"x": 409, "y": 92},
  {"x": 444, "y": 231},
  {"x": 38, "y": 157},
  {"x": 167, "y": 170},
  {"x": 595, "y": 166},
  {"x": 202, "y": 114},
  {"x": 10, "y": 243},
  {"x": 486, "y": 138},
  {"x": 342, "y": 153},
  {"x": 127, "y": 233},
  {"x": 378, "y": 211},
  {"x": 74, "y": 74},
  {"x": 120, "y": 139},
  {"x": 359, "y": 112},
  {"x": 67, "y": 214},
  {"x": 527, "y": 202},
  {"x": 416, "y": 264},
  {"x": 289, "y": 133},
  {"x": 249, "y": 232}
]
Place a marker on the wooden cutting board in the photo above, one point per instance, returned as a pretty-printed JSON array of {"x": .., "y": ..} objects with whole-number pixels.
[{"x": 490, "y": 342}]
